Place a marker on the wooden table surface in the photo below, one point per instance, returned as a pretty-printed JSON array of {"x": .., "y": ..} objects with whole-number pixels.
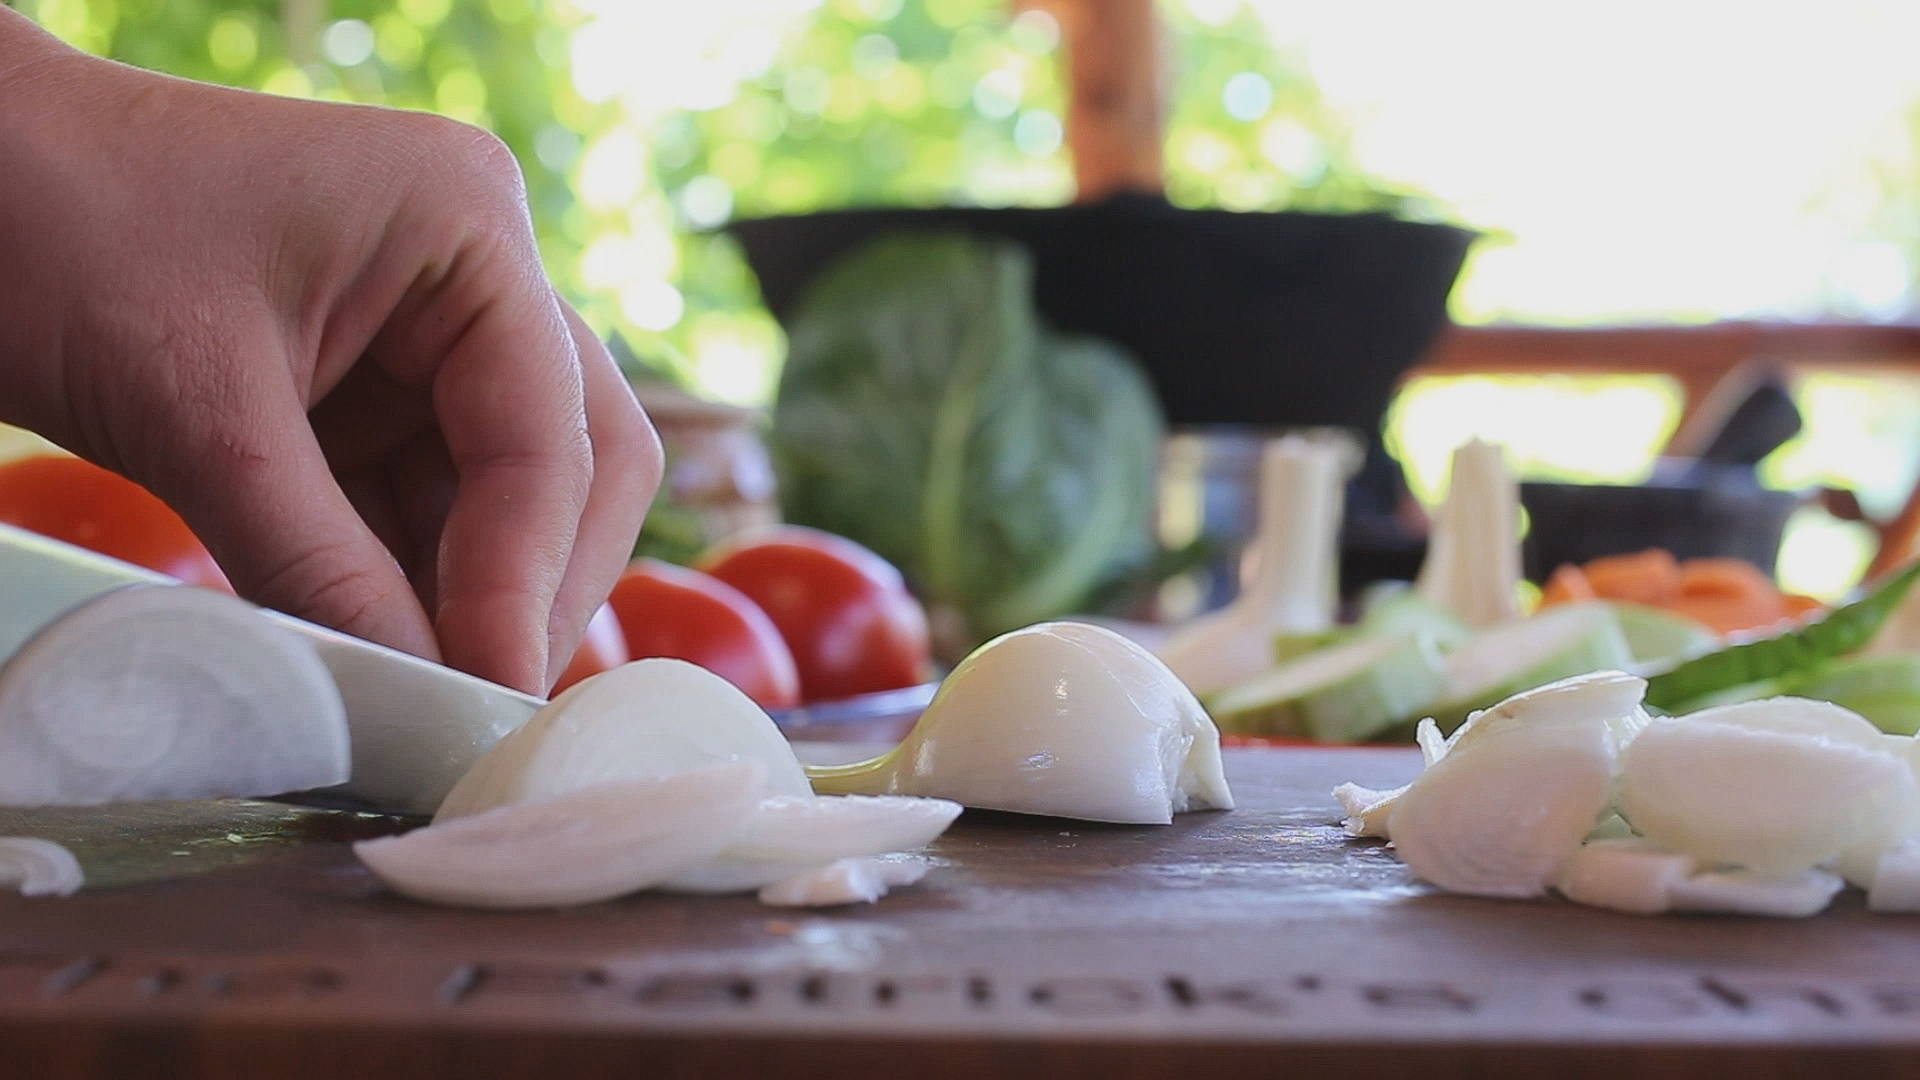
[{"x": 242, "y": 940}]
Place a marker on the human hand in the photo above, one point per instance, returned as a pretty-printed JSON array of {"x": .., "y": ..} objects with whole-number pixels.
[{"x": 322, "y": 333}]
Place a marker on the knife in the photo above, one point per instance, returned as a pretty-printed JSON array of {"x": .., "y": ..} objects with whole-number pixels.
[{"x": 416, "y": 726}]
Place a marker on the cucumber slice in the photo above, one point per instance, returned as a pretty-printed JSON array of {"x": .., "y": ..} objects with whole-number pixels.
[
  {"x": 1398, "y": 609},
  {"x": 1655, "y": 635},
  {"x": 1885, "y": 689},
  {"x": 1293, "y": 646},
  {"x": 1564, "y": 641},
  {"x": 1344, "y": 693}
]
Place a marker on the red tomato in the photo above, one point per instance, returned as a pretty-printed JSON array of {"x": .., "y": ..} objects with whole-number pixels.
[
  {"x": 669, "y": 610},
  {"x": 79, "y": 502},
  {"x": 602, "y": 646},
  {"x": 845, "y": 612}
]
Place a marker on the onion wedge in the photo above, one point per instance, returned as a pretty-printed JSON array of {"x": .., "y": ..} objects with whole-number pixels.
[
  {"x": 649, "y": 718},
  {"x": 788, "y": 835},
  {"x": 1065, "y": 719}
]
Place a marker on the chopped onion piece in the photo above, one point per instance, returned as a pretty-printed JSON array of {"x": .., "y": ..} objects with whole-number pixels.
[
  {"x": 1779, "y": 785},
  {"x": 1502, "y": 820},
  {"x": 1433, "y": 745},
  {"x": 38, "y": 867},
  {"x": 1747, "y": 892},
  {"x": 1629, "y": 875},
  {"x": 787, "y": 836},
  {"x": 1896, "y": 883},
  {"x": 846, "y": 881},
  {"x": 591, "y": 844},
  {"x": 1367, "y": 809}
]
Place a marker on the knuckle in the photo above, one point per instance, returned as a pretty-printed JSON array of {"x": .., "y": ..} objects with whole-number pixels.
[
  {"x": 473, "y": 157},
  {"x": 324, "y": 582}
]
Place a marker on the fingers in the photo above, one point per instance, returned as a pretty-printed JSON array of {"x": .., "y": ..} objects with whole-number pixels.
[
  {"x": 508, "y": 398},
  {"x": 256, "y": 488},
  {"x": 626, "y": 473}
]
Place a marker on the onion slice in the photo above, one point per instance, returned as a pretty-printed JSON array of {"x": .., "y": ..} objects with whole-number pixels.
[
  {"x": 847, "y": 881},
  {"x": 592, "y": 844},
  {"x": 166, "y": 692},
  {"x": 1629, "y": 875},
  {"x": 1746, "y": 892},
  {"x": 787, "y": 836},
  {"x": 38, "y": 867}
]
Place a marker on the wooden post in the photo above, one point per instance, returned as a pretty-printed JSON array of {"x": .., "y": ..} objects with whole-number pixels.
[{"x": 1116, "y": 111}]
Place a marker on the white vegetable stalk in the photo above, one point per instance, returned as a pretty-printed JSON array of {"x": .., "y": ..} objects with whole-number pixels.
[
  {"x": 163, "y": 692},
  {"x": 594, "y": 843},
  {"x": 38, "y": 867},
  {"x": 1473, "y": 552},
  {"x": 1063, "y": 719},
  {"x": 1290, "y": 577}
]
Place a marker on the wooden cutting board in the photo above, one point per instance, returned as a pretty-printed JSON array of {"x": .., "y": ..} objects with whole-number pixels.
[{"x": 242, "y": 940}]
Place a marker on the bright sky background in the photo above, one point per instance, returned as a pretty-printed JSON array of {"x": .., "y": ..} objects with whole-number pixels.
[
  {"x": 1650, "y": 158},
  {"x": 1639, "y": 160}
]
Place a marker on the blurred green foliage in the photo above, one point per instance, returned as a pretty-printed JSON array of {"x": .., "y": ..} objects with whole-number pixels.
[{"x": 855, "y": 102}]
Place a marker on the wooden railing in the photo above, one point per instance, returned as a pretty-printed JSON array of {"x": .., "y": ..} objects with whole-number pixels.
[
  {"x": 1116, "y": 89},
  {"x": 1713, "y": 365}
]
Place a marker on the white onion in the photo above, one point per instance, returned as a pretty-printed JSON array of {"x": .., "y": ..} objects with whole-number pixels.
[
  {"x": 649, "y": 718},
  {"x": 847, "y": 881},
  {"x": 1629, "y": 875},
  {"x": 1064, "y": 719},
  {"x": 1502, "y": 818},
  {"x": 1747, "y": 892},
  {"x": 1780, "y": 785},
  {"x": 590, "y": 844},
  {"x": 38, "y": 867},
  {"x": 787, "y": 836},
  {"x": 166, "y": 692}
]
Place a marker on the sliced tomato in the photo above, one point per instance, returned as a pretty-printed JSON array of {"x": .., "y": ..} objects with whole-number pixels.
[
  {"x": 844, "y": 611},
  {"x": 83, "y": 504},
  {"x": 668, "y": 610},
  {"x": 603, "y": 645}
]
